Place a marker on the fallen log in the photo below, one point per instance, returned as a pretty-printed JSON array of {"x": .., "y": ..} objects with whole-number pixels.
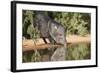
[
  {"x": 41, "y": 46},
  {"x": 29, "y": 45}
]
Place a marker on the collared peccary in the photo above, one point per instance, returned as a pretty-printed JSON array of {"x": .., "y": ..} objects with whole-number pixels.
[
  {"x": 49, "y": 28},
  {"x": 52, "y": 30}
]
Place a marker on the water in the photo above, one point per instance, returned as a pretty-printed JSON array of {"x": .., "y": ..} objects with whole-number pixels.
[{"x": 80, "y": 51}]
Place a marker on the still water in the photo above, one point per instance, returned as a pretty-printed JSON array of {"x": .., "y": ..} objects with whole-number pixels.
[{"x": 80, "y": 51}]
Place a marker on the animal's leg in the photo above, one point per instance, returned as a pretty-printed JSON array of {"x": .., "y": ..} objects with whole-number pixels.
[
  {"x": 51, "y": 50},
  {"x": 44, "y": 39},
  {"x": 52, "y": 41}
]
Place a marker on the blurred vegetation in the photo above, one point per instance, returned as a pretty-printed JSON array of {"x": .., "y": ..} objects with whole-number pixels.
[
  {"x": 73, "y": 22},
  {"x": 78, "y": 51}
]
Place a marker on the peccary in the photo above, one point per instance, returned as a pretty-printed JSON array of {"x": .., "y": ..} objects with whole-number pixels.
[
  {"x": 52, "y": 30},
  {"x": 49, "y": 28}
]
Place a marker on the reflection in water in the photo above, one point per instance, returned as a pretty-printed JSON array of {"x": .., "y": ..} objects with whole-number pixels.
[{"x": 81, "y": 51}]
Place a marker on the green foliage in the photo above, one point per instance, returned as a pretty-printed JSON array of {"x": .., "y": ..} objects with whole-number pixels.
[
  {"x": 34, "y": 33},
  {"x": 74, "y": 23},
  {"x": 27, "y": 20},
  {"x": 31, "y": 56}
]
